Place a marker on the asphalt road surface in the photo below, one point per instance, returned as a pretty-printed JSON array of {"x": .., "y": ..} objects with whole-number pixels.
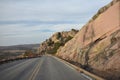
[{"x": 42, "y": 68}]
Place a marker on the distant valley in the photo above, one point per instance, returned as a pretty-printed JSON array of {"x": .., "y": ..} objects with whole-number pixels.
[{"x": 16, "y": 50}]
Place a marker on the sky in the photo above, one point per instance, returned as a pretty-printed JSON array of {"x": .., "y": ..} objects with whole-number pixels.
[{"x": 34, "y": 21}]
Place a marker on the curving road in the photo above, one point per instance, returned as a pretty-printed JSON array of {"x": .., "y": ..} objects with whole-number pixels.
[{"x": 43, "y": 68}]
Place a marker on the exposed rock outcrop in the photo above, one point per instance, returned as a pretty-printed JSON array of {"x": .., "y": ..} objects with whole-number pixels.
[
  {"x": 57, "y": 40},
  {"x": 97, "y": 44}
]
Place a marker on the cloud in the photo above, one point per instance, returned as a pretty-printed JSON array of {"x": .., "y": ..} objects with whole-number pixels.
[
  {"x": 37, "y": 22},
  {"x": 12, "y": 29},
  {"x": 48, "y": 10},
  {"x": 20, "y": 34},
  {"x": 33, "y": 21}
]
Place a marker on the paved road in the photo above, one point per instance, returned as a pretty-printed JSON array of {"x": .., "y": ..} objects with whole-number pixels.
[{"x": 43, "y": 68}]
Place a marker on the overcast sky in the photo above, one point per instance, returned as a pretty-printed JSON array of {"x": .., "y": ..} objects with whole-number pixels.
[{"x": 33, "y": 21}]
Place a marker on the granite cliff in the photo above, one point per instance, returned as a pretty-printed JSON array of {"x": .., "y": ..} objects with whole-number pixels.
[{"x": 97, "y": 45}]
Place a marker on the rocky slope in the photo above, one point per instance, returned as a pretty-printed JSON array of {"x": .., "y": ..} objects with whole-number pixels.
[
  {"x": 97, "y": 45},
  {"x": 57, "y": 40}
]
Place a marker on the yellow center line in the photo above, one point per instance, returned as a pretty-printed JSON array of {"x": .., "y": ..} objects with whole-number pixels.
[{"x": 36, "y": 70}]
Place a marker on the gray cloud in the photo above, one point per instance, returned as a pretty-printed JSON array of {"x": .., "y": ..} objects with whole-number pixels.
[{"x": 35, "y": 20}]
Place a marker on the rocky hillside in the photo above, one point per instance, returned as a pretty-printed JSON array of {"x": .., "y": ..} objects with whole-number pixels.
[
  {"x": 97, "y": 45},
  {"x": 57, "y": 40}
]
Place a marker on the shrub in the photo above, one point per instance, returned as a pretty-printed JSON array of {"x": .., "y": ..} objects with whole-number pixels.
[
  {"x": 55, "y": 48},
  {"x": 68, "y": 38},
  {"x": 28, "y": 53}
]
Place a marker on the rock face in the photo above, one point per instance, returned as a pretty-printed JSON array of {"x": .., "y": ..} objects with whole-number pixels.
[
  {"x": 58, "y": 39},
  {"x": 97, "y": 44}
]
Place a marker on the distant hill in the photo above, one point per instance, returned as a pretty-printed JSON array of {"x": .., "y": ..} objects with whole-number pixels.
[
  {"x": 19, "y": 47},
  {"x": 16, "y": 50}
]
